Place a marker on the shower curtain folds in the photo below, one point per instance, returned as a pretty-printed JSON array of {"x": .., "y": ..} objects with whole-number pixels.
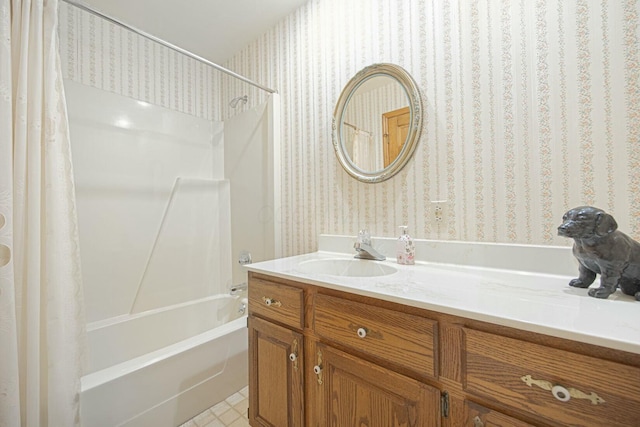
[{"x": 42, "y": 329}]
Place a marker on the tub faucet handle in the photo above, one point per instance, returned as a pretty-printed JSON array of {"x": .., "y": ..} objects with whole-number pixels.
[{"x": 244, "y": 258}]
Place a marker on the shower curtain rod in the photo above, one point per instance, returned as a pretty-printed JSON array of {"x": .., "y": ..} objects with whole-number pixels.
[
  {"x": 166, "y": 44},
  {"x": 356, "y": 128}
]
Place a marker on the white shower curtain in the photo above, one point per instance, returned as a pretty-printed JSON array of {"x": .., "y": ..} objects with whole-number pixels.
[
  {"x": 364, "y": 153},
  {"x": 41, "y": 308}
]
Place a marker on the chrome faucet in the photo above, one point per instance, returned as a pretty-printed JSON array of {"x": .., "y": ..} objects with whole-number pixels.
[
  {"x": 367, "y": 252},
  {"x": 243, "y": 307},
  {"x": 364, "y": 249}
]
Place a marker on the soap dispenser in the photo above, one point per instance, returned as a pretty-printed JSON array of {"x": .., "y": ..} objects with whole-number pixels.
[{"x": 406, "y": 249}]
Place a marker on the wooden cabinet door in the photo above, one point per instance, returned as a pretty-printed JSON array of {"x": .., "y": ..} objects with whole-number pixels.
[
  {"x": 275, "y": 375},
  {"x": 351, "y": 392}
]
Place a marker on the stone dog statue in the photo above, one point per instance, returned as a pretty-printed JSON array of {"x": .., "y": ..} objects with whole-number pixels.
[{"x": 601, "y": 249}]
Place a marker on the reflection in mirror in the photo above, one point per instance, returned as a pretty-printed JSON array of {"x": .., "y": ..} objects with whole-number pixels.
[
  {"x": 370, "y": 123},
  {"x": 377, "y": 122}
]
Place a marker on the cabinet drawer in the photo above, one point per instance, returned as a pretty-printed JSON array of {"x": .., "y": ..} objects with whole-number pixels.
[
  {"x": 282, "y": 303},
  {"x": 378, "y": 332},
  {"x": 568, "y": 388}
]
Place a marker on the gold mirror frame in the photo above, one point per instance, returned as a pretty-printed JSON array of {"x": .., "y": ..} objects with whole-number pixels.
[{"x": 415, "y": 104}]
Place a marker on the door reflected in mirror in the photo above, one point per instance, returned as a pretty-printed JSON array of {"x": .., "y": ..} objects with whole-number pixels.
[{"x": 377, "y": 122}]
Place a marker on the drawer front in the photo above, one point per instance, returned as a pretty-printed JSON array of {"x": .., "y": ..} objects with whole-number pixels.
[
  {"x": 403, "y": 339},
  {"x": 282, "y": 303},
  {"x": 565, "y": 387}
]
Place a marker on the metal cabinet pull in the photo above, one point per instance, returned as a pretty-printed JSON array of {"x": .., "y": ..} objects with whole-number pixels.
[
  {"x": 362, "y": 332},
  {"x": 318, "y": 368},
  {"x": 561, "y": 393},
  {"x": 293, "y": 357}
]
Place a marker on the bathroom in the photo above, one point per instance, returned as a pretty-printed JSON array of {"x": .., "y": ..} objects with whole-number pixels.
[{"x": 530, "y": 108}]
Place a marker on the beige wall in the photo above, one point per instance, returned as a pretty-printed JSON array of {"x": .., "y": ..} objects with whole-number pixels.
[{"x": 532, "y": 108}]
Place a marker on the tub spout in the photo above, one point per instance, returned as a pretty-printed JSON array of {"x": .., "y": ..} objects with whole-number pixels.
[{"x": 235, "y": 290}]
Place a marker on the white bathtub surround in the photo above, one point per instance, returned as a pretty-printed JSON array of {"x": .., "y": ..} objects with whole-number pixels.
[
  {"x": 161, "y": 383},
  {"x": 251, "y": 142},
  {"x": 165, "y": 338},
  {"x": 148, "y": 182},
  {"x": 190, "y": 257},
  {"x": 475, "y": 281},
  {"x": 127, "y": 337},
  {"x": 41, "y": 314}
]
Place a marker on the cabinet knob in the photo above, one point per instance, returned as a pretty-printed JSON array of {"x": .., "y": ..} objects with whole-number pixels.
[
  {"x": 294, "y": 354},
  {"x": 270, "y": 302},
  {"x": 561, "y": 393},
  {"x": 317, "y": 369},
  {"x": 362, "y": 332}
]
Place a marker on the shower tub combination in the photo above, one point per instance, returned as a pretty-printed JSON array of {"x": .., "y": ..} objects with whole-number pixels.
[
  {"x": 161, "y": 367},
  {"x": 166, "y": 339}
]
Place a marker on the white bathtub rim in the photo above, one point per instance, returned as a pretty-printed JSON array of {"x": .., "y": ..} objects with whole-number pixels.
[
  {"x": 99, "y": 324},
  {"x": 103, "y": 376}
]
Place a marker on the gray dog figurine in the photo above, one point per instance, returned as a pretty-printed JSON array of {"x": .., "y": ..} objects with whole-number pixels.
[{"x": 601, "y": 249}]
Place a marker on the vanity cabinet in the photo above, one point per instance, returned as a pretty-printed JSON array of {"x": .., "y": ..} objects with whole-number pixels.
[
  {"x": 321, "y": 357},
  {"x": 276, "y": 355},
  {"x": 354, "y": 359}
]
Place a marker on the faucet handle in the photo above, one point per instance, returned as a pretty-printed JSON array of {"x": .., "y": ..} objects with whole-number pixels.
[
  {"x": 364, "y": 237},
  {"x": 244, "y": 258}
]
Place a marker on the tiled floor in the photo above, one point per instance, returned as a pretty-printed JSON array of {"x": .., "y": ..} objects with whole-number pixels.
[{"x": 231, "y": 412}]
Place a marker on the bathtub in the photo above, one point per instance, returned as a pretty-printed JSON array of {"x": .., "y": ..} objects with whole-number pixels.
[{"x": 164, "y": 366}]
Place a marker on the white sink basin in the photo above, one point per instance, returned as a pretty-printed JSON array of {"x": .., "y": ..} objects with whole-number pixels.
[{"x": 346, "y": 267}]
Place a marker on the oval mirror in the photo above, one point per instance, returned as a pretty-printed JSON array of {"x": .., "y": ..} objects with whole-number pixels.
[{"x": 377, "y": 122}]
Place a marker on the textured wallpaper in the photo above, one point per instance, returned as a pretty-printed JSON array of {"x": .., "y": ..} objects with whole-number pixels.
[
  {"x": 100, "y": 54},
  {"x": 532, "y": 107}
]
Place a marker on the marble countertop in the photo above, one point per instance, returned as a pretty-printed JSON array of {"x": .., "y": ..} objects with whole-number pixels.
[{"x": 531, "y": 301}]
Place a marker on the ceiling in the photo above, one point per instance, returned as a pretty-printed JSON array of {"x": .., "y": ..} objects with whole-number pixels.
[{"x": 213, "y": 29}]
